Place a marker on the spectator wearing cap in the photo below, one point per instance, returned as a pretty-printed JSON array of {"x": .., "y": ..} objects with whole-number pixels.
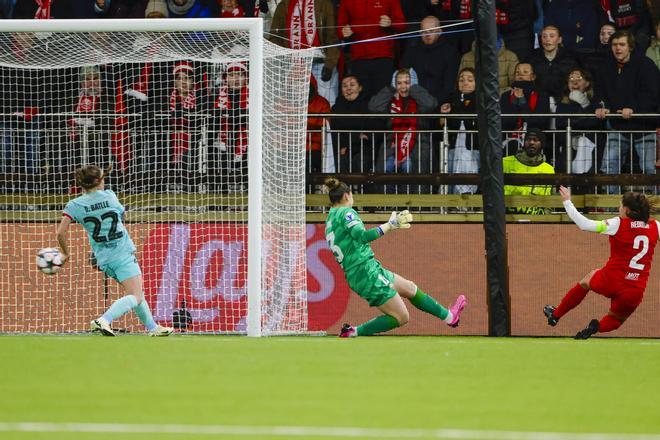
[
  {"x": 506, "y": 63},
  {"x": 630, "y": 85},
  {"x": 405, "y": 150},
  {"x": 300, "y": 24},
  {"x": 185, "y": 104},
  {"x": 552, "y": 62},
  {"x": 359, "y": 20},
  {"x": 231, "y": 113},
  {"x": 192, "y": 9},
  {"x": 529, "y": 159},
  {"x": 434, "y": 59}
]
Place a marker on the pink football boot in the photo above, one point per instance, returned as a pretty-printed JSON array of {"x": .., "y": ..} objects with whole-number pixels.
[{"x": 456, "y": 310}]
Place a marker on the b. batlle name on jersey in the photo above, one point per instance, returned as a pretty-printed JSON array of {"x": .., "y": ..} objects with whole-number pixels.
[{"x": 97, "y": 206}]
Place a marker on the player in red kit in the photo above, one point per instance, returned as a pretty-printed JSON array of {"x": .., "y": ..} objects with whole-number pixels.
[{"x": 633, "y": 236}]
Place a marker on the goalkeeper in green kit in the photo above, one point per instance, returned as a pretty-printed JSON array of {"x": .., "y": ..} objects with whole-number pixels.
[{"x": 349, "y": 242}]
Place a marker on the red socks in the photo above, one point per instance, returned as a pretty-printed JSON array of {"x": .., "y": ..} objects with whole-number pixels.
[
  {"x": 571, "y": 300},
  {"x": 608, "y": 323}
]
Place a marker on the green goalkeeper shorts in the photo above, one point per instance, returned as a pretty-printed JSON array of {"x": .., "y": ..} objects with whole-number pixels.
[{"x": 372, "y": 282}]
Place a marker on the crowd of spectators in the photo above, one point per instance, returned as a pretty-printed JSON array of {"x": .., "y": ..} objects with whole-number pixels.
[{"x": 582, "y": 57}]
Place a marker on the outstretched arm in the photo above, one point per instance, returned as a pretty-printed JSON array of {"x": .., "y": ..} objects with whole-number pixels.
[
  {"x": 398, "y": 220},
  {"x": 608, "y": 227},
  {"x": 62, "y": 231}
]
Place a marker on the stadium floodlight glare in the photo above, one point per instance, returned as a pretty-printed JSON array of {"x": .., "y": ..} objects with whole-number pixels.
[{"x": 203, "y": 122}]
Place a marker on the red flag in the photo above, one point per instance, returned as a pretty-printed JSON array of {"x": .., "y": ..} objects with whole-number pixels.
[{"x": 120, "y": 143}]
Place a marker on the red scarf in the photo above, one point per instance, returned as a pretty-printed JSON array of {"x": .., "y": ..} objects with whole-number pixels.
[
  {"x": 187, "y": 103},
  {"x": 240, "y": 133},
  {"x": 87, "y": 103},
  {"x": 224, "y": 103},
  {"x": 43, "y": 12},
  {"x": 302, "y": 24},
  {"x": 404, "y": 128}
]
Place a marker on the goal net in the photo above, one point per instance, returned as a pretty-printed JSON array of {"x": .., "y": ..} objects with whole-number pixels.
[{"x": 206, "y": 155}]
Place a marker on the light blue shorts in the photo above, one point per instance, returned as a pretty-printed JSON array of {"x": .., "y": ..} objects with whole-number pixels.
[{"x": 122, "y": 268}]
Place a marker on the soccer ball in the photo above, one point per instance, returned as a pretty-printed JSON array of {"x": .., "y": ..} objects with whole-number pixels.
[{"x": 49, "y": 260}]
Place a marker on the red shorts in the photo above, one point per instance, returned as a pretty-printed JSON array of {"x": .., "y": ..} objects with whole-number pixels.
[{"x": 625, "y": 298}]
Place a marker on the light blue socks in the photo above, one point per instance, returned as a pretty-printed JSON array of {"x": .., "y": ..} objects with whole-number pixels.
[
  {"x": 144, "y": 313},
  {"x": 120, "y": 307}
]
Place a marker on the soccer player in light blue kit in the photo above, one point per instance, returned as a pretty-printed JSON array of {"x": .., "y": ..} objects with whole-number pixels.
[{"x": 101, "y": 214}]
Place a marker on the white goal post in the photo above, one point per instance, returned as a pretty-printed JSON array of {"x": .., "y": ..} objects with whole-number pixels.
[{"x": 165, "y": 102}]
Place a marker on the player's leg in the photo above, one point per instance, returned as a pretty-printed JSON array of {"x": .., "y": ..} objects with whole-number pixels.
[
  {"x": 394, "y": 315},
  {"x": 117, "y": 309},
  {"x": 621, "y": 308},
  {"x": 624, "y": 301},
  {"x": 428, "y": 304},
  {"x": 375, "y": 284},
  {"x": 135, "y": 286},
  {"x": 571, "y": 300}
]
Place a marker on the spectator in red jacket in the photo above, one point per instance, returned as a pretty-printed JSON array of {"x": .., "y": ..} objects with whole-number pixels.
[{"x": 359, "y": 20}]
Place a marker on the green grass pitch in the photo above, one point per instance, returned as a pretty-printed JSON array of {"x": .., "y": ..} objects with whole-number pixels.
[{"x": 193, "y": 387}]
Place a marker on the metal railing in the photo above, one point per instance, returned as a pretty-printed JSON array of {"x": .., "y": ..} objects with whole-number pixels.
[
  {"x": 49, "y": 146},
  {"x": 570, "y": 150}
]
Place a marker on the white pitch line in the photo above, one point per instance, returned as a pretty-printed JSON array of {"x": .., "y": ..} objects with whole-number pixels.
[{"x": 312, "y": 431}]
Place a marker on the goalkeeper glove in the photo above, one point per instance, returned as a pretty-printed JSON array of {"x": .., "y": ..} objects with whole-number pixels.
[{"x": 398, "y": 220}]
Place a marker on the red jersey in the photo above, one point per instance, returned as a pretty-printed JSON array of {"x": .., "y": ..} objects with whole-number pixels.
[{"x": 631, "y": 251}]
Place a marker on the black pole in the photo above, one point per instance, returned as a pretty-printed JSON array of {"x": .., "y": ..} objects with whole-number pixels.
[{"x": 492, "y": 180}]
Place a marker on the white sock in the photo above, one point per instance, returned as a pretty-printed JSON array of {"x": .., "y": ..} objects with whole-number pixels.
[{"x": 449, "y": 318}]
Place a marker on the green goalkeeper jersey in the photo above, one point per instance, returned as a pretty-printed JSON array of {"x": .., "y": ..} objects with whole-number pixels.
[{"x": 347, "y": 238}]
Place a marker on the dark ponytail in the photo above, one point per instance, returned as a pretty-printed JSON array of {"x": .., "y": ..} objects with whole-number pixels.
[
  {"x": 90, "y": 176},
  {"x": 336, "y": 190},
  {"x": 639, "y": 206}
]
